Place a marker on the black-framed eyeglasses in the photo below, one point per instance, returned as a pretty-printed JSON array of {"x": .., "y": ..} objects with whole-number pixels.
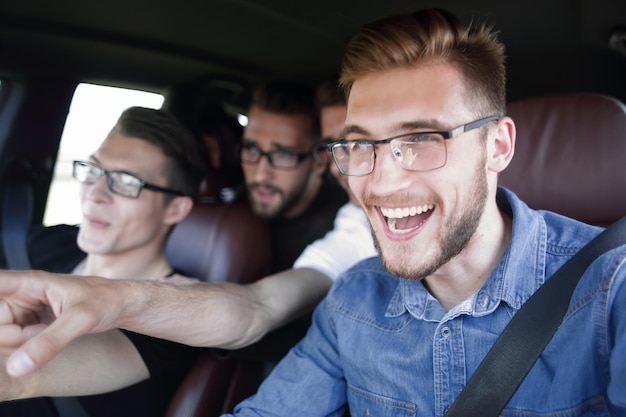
[
  {"x": 280, "y": 158},
  {"x": 417, "y": 151},
  {"x": 119, "y": 182}
]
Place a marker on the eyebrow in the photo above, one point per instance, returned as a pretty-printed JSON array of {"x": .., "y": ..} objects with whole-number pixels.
[
  {"x": 402, "y": 127},
  {"x": 354, "y": 129},
  {"x": 275, "y": 146},
  {"x": 134, "y": 174}
]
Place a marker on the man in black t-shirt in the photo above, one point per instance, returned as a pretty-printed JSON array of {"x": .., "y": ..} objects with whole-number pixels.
[{"x": 138, "y": 184}]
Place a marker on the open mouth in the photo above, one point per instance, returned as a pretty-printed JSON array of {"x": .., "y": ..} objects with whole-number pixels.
[
  {"x": 264, "y": 193},
  {"x": 406, "y": 219}
]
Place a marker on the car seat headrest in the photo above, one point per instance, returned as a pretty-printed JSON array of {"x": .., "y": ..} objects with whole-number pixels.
[
  {"x": 569, "y": 155},
  {"x": 221, "y": 242}
]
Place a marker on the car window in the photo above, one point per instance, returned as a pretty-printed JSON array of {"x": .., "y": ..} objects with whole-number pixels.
[{"x": 93, "y": 112}]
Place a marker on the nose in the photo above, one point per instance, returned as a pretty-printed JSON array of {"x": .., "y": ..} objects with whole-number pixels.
[
  {"x": 388, "y": 176},
  {"x": 264, "y": 169},
  {"x": 98, "y": 191}
]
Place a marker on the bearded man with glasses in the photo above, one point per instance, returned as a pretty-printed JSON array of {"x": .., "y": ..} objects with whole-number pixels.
[{"x": 285, "y": 181}]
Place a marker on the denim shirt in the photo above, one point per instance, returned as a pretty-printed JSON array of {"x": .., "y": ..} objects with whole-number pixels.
[{"x": 385, "y": 347}]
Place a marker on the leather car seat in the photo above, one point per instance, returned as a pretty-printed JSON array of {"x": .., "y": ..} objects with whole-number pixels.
[
  {"x": 218, "y": 242},
  {"x": 569, "y": 155}
]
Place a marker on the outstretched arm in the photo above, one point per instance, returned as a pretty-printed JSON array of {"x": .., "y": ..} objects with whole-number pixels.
[{"x": 42, "y": 312}]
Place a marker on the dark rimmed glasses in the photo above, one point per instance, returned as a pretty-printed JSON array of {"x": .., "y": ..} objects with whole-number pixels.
[
  {"x": 119, "y": 182},
  {"x": 417, "y": 151},
  {"x": 280, "y": 158}
]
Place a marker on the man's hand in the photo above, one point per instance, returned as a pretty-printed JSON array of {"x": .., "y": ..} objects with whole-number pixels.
[{"x": 40, "y": 313}]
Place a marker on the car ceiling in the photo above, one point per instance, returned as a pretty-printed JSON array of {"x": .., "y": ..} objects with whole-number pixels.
[{"x": 151, "y": 43}]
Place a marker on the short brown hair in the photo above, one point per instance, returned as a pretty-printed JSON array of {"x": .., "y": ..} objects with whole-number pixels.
[
  {"x": 288, "y": 98},
  {"x": 429, "y": 35},
  {"x": 187, "y": 158}
]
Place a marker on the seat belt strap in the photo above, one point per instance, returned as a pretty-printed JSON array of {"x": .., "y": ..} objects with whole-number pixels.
[
  {"x": 69, "y": 407},
  {"x": 527, "y": 334},
  {"x": 16, "y": 217}
]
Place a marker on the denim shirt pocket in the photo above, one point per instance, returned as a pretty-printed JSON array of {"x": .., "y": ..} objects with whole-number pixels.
[{"x": 366, "y": 404}]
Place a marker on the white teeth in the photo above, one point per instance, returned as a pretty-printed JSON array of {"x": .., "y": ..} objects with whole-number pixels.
[{"x": 398, "y": 213}]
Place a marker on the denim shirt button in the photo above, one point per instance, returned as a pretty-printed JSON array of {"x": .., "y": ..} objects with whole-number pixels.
[{"x": 445, "y": 332}]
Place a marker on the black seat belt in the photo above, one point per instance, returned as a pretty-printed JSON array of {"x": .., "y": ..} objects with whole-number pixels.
[
  {"x": 527, "y": 334},
  {"x": 16, "y": 216},
  {"x": 17, "y": 207}
]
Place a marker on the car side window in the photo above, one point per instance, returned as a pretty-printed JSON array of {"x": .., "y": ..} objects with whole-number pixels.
[{"x": 93, "y": 111}]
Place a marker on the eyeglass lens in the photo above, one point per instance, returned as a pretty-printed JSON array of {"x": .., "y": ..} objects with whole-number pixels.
[
  {"x": 420, "y": 151},
  {"x": 414, "y": 152},
  {"x": 278, "y": 158},
  {"x": 118, "y": 182}
]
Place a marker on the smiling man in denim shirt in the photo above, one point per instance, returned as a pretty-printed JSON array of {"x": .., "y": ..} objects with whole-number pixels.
[{"x": 425, "y": 139}]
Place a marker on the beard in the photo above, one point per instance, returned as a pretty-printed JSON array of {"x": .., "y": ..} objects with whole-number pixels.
[
  {"x": 457, "y": 232},
  {"x": 273, "y": 210}
]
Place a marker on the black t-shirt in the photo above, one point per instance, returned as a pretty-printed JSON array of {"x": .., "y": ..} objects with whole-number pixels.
[
  {"x": 54, "y": 249},
  {"x": 291, "y": 236}
]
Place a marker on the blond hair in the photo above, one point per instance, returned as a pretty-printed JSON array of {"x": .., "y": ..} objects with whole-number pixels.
[{"x": 431, "y": 35}]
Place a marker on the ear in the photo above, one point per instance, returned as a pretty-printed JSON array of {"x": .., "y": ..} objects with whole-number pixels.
[
  {"x": 177, "y": 210},
  {"x": 501, "y": 145}
]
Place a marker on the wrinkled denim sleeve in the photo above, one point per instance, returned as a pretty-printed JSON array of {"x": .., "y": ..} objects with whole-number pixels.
[{"x": 307, "y": 382}]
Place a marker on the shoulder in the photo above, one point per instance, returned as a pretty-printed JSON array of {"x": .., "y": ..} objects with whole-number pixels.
[
  {"x": 566, "y": 235},
  {"x": 605, "y": 277},
  {"x": 54, "y": 248},
  {"x": 560, "y": 237}
]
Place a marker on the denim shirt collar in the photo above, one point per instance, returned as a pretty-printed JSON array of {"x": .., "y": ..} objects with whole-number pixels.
[{"x": 519, "y": 273}]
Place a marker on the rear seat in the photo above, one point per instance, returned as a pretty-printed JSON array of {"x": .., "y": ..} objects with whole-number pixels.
[
  {"x": 569, "y": 155},
  {"x": 219, "y": 242}
]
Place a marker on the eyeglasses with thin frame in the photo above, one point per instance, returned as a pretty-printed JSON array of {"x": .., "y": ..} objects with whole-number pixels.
[
  {"x": 416, "y": 151},
  {"x": 119, "y": 182},
  {"x": 280, "y": 158}
]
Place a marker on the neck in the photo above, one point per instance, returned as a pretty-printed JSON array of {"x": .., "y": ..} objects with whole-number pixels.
[
  {"x": 310, "y": 192},
  {"x": 122, "y": 267},
  {"x": 467, "y": 272}
]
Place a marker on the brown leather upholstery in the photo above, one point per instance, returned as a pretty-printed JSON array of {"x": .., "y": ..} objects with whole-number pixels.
[
  {"x": 221, "y": 242},
  {"x": 570, "y": 155},
  {"x": 218, "y": 242}
]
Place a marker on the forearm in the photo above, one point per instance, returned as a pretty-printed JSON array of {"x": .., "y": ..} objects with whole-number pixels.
[
  {"x": 42, "y": 313},
  {"x": 223, "y": 315},
  {"x": 202, "y": 314}
]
